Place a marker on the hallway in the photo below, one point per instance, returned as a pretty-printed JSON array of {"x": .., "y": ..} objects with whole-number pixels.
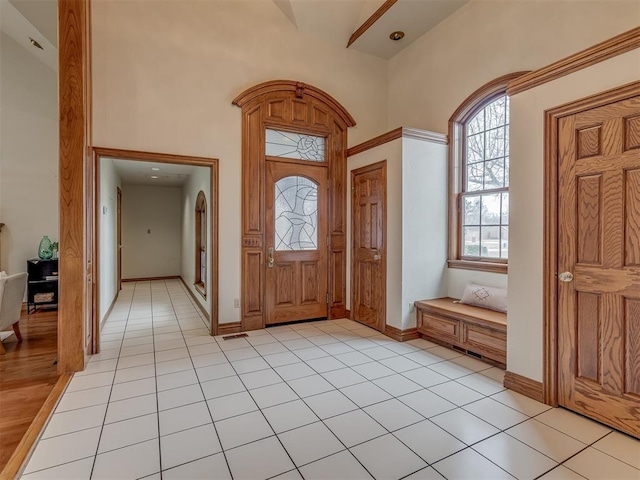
[{"x": 329, "y": 399}]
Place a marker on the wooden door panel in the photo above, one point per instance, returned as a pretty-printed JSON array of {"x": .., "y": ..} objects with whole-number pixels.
[
  {"x": 599, "y": 242},
  {"x": 369, "y": 248},
  {"x": 632, "y": 218},
  {"x": 285, "y": 279},
  {"x": 588, "y": 330},
  {"x": 589, "y": 219},
  {"x": 296, "y": 283},
  {"x": 632, "y": 346},
  {"x": 310, "y": 286}
]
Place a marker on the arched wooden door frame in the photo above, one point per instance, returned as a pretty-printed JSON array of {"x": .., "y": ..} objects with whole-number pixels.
[{"x": 292, "y": 106}]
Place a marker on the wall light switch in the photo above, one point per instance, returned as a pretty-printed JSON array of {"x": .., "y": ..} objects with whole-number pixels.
[
  {"x": 236, "y": 303},
  {"x": 104, "y": 209}
]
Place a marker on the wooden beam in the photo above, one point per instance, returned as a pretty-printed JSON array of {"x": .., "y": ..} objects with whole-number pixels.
[{"x": 370, "y": 21}]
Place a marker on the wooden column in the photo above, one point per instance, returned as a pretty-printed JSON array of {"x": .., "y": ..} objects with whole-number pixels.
[{"x": 75, "y": 113}]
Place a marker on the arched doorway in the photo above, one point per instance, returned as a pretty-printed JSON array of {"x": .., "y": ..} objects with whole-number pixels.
[{"x": 293, "y": 204}]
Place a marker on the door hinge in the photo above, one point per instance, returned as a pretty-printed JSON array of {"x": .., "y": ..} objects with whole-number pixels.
[{"x": 327, "y": 298}]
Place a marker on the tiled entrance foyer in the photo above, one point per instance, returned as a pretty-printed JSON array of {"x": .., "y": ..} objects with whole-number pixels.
[{"x": 323, "y": 400}]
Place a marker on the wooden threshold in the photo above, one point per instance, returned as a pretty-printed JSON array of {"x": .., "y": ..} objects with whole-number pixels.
[
  {"x": 21, "y": 453},
  {"x": 150, "y": 279}
]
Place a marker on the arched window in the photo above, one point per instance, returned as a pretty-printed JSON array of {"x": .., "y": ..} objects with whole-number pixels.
[
  {"x": 201, "y": 244},
  {"x": 479, "y": 170}
]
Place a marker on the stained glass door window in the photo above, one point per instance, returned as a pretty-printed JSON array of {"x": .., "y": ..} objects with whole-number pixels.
[
  {"x": 296, "y": 214},
  {"x": 294, "y": 145}
]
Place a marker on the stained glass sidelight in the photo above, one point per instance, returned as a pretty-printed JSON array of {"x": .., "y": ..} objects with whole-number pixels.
[
  {"x": 296, "y": 214},
  {"x": 294, "y": 145}
]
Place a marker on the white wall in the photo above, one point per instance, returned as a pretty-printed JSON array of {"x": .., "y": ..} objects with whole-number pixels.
[
  {"x": 28, "y": 154},
  {"x": 108, "y": 238},
  {"x": 151, "y": 231},
  {"x": 488, "y": 38},
  {"x": 525, "y": 341},
  {"x": 392, "y": 152},
  {"x": 199, "y": 180},
  {"x": 424, "y": 224},
  {"x": 484, "y": 40},
  {"x": 416, "y": 223},
  {"x": 165, "y": 73}
]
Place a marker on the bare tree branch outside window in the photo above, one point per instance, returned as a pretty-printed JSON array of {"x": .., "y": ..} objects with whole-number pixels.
[{"x": 485, "y": 196}]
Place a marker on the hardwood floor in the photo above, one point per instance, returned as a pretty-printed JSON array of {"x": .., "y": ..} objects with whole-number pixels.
[{"x": 27, "y": 376}]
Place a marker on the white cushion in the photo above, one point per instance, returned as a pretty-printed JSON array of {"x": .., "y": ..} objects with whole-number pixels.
[{"x": 494, "y": 298}]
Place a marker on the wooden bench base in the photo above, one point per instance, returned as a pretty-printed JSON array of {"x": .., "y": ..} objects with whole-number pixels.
[{"x": 479, "y": 332}]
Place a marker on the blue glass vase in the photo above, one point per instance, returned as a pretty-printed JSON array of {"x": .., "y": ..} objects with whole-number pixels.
[{"x": 45, "y": 251}]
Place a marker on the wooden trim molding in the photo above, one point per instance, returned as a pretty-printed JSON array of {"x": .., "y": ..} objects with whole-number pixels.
[
  {"x": 108, "y": 312},
  {"x": 214, "y": 328},
  {"x": 612, "y": 47},
  {"x": 212, "y": 164},
  {"x": 370, "y": 21},
  {"x": 300, "y": 89},
  {"x": 228, "y": 328},
  {"x": 297, "y": 107},
  {"x": 400, "y": 132},
  {"x": 75, "y": 201},
  {"x": 22, "y": 451},
  {"x": 150, "y": 279},
  {"x": 401, "y": 335},
  {"x": 477, "y": 265},
  {"x": 550, "y": 232},
  {"x": 523, "y": 385}
]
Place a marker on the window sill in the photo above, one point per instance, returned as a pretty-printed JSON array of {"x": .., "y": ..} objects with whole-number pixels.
[
  {"x": 200, "y": 289},
  {"x": 479, "y": 266}
]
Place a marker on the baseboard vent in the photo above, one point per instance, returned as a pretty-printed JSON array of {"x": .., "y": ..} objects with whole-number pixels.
[{"x": 234, "y": 336}]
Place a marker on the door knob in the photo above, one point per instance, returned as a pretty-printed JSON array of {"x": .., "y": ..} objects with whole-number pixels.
[
  {"x": 377, "y": 256},
  {"x": 270, "y": 260},
  {"x": 565, "y": 277}
]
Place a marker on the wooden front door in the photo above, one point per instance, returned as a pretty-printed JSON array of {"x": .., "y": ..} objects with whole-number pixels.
[
  {"x": 368, "y": 227},
  {"x": 599, "y": 264},
  {"x": 296, "y": 245}
]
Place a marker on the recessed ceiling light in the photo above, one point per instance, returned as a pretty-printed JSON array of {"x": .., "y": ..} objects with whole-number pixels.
[
  {"x": 35, "y": 43},
  {"x": 155, "y": 169},
  {"x": 154, "y": 176},
  {"x": 397, "y": 35}
]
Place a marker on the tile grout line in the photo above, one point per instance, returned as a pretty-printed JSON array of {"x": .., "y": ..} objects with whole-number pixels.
[
  {"x": 205, "y": 402},
  {"x": 106, "y": 411}
]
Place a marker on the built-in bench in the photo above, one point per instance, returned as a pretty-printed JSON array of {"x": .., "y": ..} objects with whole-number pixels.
[{"x": 477, "y": 331}]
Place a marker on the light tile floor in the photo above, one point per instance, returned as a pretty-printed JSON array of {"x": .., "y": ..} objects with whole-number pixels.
[{"x": 321, "y": 400}]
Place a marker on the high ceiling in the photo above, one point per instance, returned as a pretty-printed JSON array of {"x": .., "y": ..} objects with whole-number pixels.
[{"x": 336, "y": 20}]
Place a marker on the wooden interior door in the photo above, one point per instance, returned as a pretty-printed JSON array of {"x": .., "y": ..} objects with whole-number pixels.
[
  {"x": 368, "y": 227},
  {"x": 599, "y": 264},
  {"x": 296, "y": 245}
]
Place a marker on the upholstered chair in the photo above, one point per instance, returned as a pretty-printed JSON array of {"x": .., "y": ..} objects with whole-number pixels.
[{"x": 12, "y": 288}]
